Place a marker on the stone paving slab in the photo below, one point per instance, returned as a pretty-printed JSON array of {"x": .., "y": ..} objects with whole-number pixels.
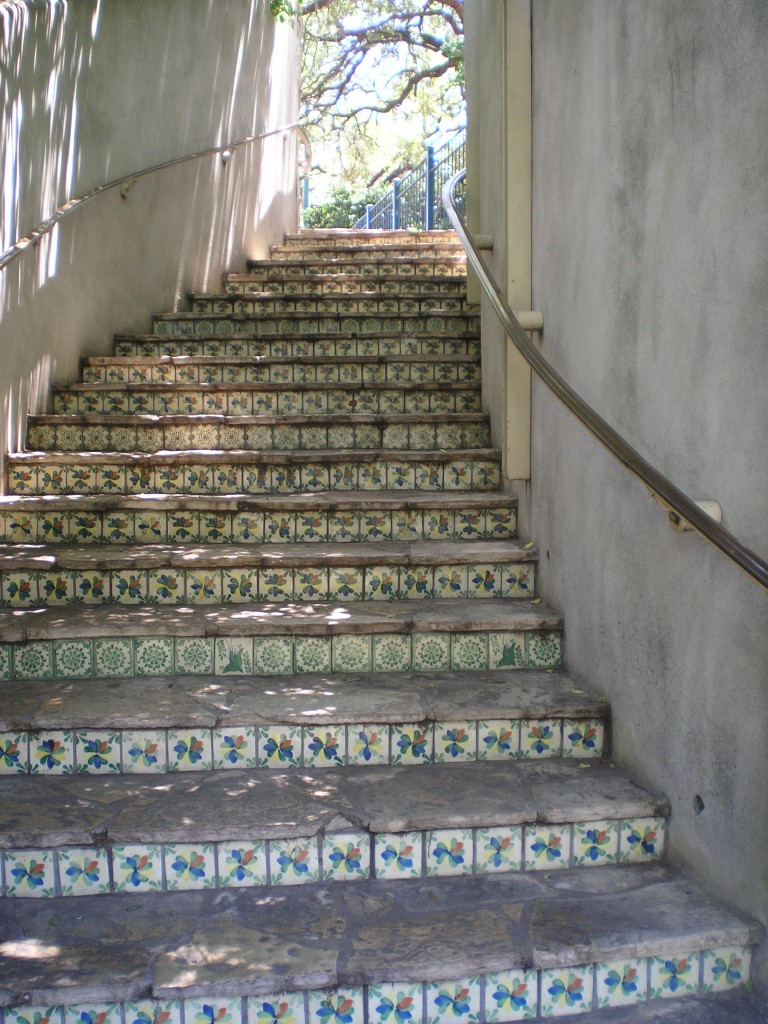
[
  {"x": 313, "y": 699},
  {"x": 327, "y": 500},
  {"x": 293, "y": 456},
  {"x": 275, "y": 619},
  {"x": 253, "y": 942},
  {"x": 732, "y": 1008},
  {"x": 217, "y": 806},
  {"x": 101, "y": 557}
]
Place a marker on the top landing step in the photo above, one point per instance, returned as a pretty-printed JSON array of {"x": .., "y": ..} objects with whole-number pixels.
[{"x": 356, "y": 236}]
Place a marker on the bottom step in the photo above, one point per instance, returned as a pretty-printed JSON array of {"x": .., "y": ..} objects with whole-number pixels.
[
  {"x": 443, "y": 951},
  {"x": 737, "y": 1008}
]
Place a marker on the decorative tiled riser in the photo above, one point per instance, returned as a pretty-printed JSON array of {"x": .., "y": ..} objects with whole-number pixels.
[
  {"x": 338, "y": 284},
  {"x": 512, "y": 995},
  {"x": 297, "y": 348},
  {"x": 245, "y": 305},
  {"x": 319, "y": 526},
  {"x": 226, "y": 402},
  {"x": 249, "y": 585},
  {"x": 185, "y": 325},
  {"x": 368, "y": 255},
  {"x": 278, "y": 655},
  {"x": 150, "y": 751},
  {"x": 456, "y": 369},
  {"x": 143, "y": 437},
  {"x": 426, "y": 268},
  {"x": 224, "y": 478},
  {"x": 339, "y": 857},
  {"x": 156, "y": 527}
]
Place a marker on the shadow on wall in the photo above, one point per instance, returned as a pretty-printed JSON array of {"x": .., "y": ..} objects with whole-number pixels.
[{"x": 77, "y": 113}]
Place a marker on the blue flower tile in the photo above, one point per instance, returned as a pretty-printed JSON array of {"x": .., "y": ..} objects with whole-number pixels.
[
  {"x": 455, "y": 741},
  {"x": 453, "y": 1002},
  {"x": 14, "y": 753},
  {"x": 412, "y": 743},
  {"x": 346, "y": 856},
  {"x": 498, "y": 848},
  {"x": 324, "y": 747},
  {"x": 340, "y": 1006},
  {"x": 621, "y": 982},
  {"x": 398, "y": 855},
  {"x": 137, "y": 868},
  {"x": 190, "y": 866},
  {"x": 234, "y": 747},
  {"x": 566, "y": 990},
  {"x": 511, "y": 996},
  {"x": 52, "y": 753},
  {"x": 725, "y": 968},
  {"x": 92, "y": 1013},
  {"x": 221, "y": 1010},
  {"x": 294, "y": 861},
  {"x": 189, "y": 750},
  {"x": 641, "y": 840},
  {"x": 83, "y": 871},
  {"x": 674, "y": 975},
  {"x": 98, "y": 752},
  {"x": 595, "y": 842},
  {"x": 547, "y": 847},
  {"x": 449, "y": 852},
  {"x": 583, "y": 738},
  {"x": 283, "y": 1008},
  {"x": 33, "y": 1015},
  {"x": 280, "y": 746},
  {"x": 29, "y": 873},
  {"x": 498, "y": 740},
  {"x": 395, "y": 1003},
  {"x": 368, "y": 744},
  {"x": 242, "y": 864},
  {"x": 541, "y": 738},
  {"x": 144, "y": 752},
  {"x": 153, "y": 1011}
]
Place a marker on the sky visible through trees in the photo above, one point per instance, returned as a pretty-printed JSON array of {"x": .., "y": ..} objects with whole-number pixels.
[{"x": 379, "y": 79}]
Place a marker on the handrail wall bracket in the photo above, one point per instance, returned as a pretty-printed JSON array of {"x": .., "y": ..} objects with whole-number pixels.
[
  {"x": 127, "y": 181},
  {"x": 689, "y": 514}
]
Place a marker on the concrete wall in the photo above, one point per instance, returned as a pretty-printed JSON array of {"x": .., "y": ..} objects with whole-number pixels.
[
  {"x": 96, "y": 89},
  {"x": 650, "y": 257},
  {"x": 498, "y": 72}
]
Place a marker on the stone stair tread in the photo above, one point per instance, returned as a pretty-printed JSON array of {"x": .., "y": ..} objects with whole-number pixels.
[
  {"x": 203, "y": 807},
  {"x": 52, "y": 557},
  {"x": 321, "y": 278},
  {"x": 162, "y": 702},
  {"x": 281, "y": 419},
  {"x": 457, "y": 332},
  {"x": 260, "y": 942},
  {"x": 223, "y": 296},
  {"x": 242, "y": 456},
  {"x": 270, "y": 386},
  {"x": 274, "y": 619},
  {"x": 427, "y": 357},
  {"x": 330, "y": 500},
  {"x": 299, "y": 315}
]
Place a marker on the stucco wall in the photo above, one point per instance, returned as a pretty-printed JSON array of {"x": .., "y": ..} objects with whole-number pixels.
[
  {"x": 650, "y": 257},
  {"x": 96, "y": 89}
]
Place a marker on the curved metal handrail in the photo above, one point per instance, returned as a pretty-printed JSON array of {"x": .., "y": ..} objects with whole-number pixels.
[
  {"x": 662, "y": 489},
  {"x": 72, "y": 205}
]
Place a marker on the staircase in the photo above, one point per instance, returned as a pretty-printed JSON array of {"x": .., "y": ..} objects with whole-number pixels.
[{"x": 285, "y": 733}]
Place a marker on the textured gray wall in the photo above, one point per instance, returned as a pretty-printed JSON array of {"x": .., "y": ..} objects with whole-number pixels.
[
  {"x": 92, "y": 91},
  {"x": 650, "y": 248}
]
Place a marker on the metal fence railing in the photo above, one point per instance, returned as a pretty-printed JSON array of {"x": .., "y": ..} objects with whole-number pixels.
[{"x": 414, "y": 201}]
